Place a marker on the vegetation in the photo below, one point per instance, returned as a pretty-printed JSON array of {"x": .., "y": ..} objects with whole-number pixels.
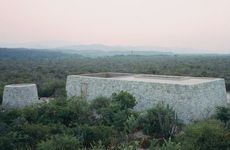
[
  {"x": 106, "y": 122},
  {"x": 160, "y": 122},
  {"x": 206, "y": 135}
]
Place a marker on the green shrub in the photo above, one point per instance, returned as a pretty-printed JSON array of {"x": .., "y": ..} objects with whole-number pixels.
[
  {"x": 32, "y": 133},
  {"x": 124, "y": 100},
  {"x": 167, "y": 145},
  {"x": 66, "y": 112},
  {"x": 131, "y": 145},
  {"x": 160, "y": 122},
  {"x": 115, "y": 111},
  {"x": 9, "y": 116},
  {"x": 93, "y": 134},
  {"x": 24, "y": 136},
  {"x": 100, "y": 102},
  {"x": 131, "y": 124},
  {"x": 7, "y": 142},
  {"x": 223, "y": 114},
  {"x": 97, "y": 146},
  {"x": 205, "y": 135},
  {"x": 60, "y": 142}
]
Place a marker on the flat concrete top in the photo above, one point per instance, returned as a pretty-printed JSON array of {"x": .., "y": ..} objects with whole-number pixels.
[
  {"x": 182, "y": 80},
  {"x": 21, "y": 85}
]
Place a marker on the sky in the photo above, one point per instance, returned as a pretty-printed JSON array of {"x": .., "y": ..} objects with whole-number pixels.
[{"x": 201, "y": 25}]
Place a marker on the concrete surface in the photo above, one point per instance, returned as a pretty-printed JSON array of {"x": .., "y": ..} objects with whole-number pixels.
[
  {"x": 19, "y": 95},
  {"x": 192, "y": 98}
]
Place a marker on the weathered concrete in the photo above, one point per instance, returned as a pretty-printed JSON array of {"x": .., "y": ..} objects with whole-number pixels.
[
  {"x": 19, "y": 95},
  {"x": 228, "y": 97},
  {"x": 192, "y": 98}
]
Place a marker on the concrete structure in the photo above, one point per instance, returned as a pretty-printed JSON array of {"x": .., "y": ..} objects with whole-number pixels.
[
  {"x": 19, "y": 95},
  {"x": 192, "y": 98},
  {"x": 228, "y": 97}
]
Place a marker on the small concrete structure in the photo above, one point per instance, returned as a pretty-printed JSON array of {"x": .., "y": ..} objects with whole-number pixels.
[
  {"x": 19, "y": 95},
  {"x": 192, "y": 98}
]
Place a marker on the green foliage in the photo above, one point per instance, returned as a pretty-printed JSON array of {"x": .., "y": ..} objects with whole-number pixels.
[
  {"x": 97, "y": 146},
  {"x": 160, "y": 122},
  {"x": 132, "y": 145},
  {"x": 93, "y": 134},
  {"x": 24, "y": 136},
  {"x": 60, "y": 142},
  {"x": 223, "y": 114},
  {"x": 62, "y": 111},
  {"x": 167, "y": 145},
  {"x": 30, "y": 134},
  {"x": 205, "y": 135},
  {"x": 124, "y": 100},
  {"x": 106, "y": 123},
  {"x": 116, "y": 111},
  {"x": 100, "y": 102},
  {"x": 60, "y": 119},
  {"x": 131, "y": 124}
]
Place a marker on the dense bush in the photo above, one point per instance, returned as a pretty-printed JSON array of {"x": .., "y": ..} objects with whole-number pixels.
[
  {"x": 62, "y": 122},
  {"x": 223, "y": 114},
  {"x": 160, "y": 122},
  {"x": 60, "y": 142},
  {"x": 116, "y": 111},
  {"x": 106, "y": 123},
  {"x": 124, "y": 100},
  {"x": 205, "y": 135},
  {"x": 167, "y": 145},
  {"x": 93, "y": 134}
]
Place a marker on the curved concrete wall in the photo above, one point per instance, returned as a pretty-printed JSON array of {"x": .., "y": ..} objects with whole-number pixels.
[
  {"x": 191, "y": 101},
  {"x": 19, "y": 95}
]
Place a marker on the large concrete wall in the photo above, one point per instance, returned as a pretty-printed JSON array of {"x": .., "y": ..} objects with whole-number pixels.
[
  {"x": 19, "y": 95},
  {"x": 191, "y": 102}
]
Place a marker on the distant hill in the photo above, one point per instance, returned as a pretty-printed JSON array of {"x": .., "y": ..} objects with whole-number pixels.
[
  {"x": 97, "y": 50},
  {"x": 84, "y": 50},
  {"x": 23, "y": 53}
]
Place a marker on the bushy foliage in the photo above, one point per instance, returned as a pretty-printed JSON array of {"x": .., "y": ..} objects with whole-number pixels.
[
  {"x": 106, "y": 123},
  {"x": 160, "y": 122},
  {"x": 60, "y": 142},
  {"x": 205, "y": 135},
  {"x": 62, "y": 111},
  {"x": 124, "y": 100},
  {"x": 60, "y": 121},
  {"x": 223, "y": 114},
  {"x": 167, "y": 145},
  {"x": 94, "y": 134},
  {"x": 24, "y": 135},
  {"x": 132, "y": 145},
  {"x": 116, "y": 111}
]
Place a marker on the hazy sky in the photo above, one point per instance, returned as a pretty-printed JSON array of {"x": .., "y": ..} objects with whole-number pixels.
[{"x": 198, "y": 24}]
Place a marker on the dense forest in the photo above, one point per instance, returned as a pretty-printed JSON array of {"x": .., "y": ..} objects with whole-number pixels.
[
  {"x": 48, "y": 69},
  {"x": 105, "y": 122}
]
